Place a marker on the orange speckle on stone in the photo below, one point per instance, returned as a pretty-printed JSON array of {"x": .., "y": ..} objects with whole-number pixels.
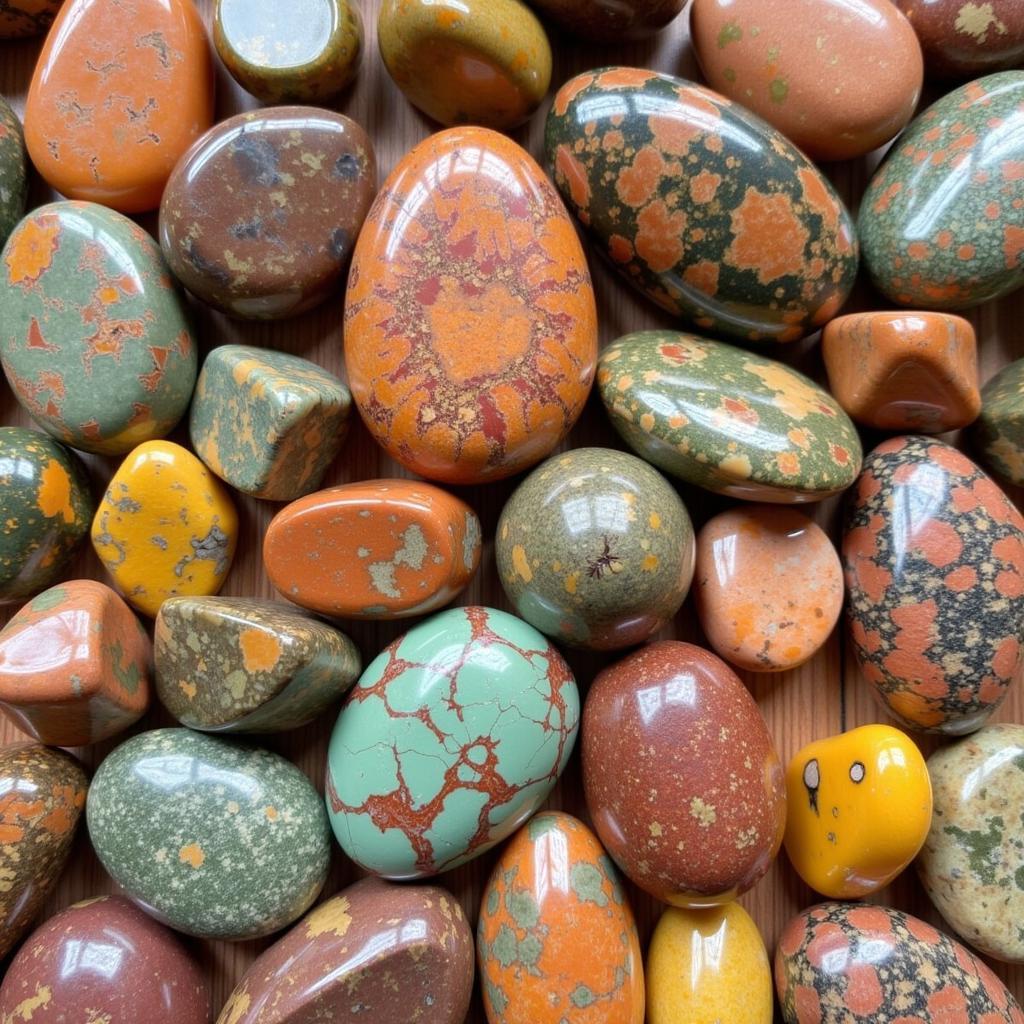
[
  {"x": 919, "y": 250},
  {"x": 659, "y": 239},
  {"x": 54, "y": 497},
  {"x": 768, "y": 237},
  {"x": 944, "y": 239},
  {"x": 271, "y": 813},
  {"x": 883, "y": 202},
  {"x": 574, "y": 175},
  {"x": 638, "y": 182},
  {"x": 569, "y": 92},
  {"x": 31, "y": 248},
  {"x": 1013, "y": 245},
  {"x": 965, "y": 252},
  {"x": 623, "y": 78},
  {"x": 703, "y": 276},
  {"x": 704, "y": 186},
  {"x": 992, "y": 210},
  {"x": 620, "y": 249},
  {"x": 261, "y": 650},
  {"x": 1013, "y": 170},
  {"x": 192, "y": 855}
]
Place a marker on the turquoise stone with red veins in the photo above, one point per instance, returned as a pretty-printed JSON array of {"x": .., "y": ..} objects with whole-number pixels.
[
  {"x": 93, "y": 334},
  {"x": 13, "y": 170},
  {"x": 942, "y": 221},
  {"x": 701, "y": 205}
]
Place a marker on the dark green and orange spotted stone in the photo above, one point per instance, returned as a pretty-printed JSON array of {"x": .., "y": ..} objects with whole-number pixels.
[
  {"x": 13, "y": 170},
  {"x": 702, "y": 206}
]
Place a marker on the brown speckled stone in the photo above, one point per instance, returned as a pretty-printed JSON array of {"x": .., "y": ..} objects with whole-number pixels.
[{"x": 682, "y": 779}]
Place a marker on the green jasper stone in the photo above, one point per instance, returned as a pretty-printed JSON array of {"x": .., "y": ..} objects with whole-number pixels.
[
  {"x": 595, "y": 549},
  {"x": 13, "y": 170},
  {"x": 453, "y": 737},
  {"x": 215, "y": 839},
  {"x": 998, "y": 433},
  {"x": 266, "y": 422},
  {"x": 93, "y": 335},
  {"x": 701, "y": 205},
  {"x": 237, "y": 665},
  {"x": 46, "y": 510},
  {"x": 940, "y": 222},
  {"x": 727, "y": 420},
  {"x": 296, "y": 52}
]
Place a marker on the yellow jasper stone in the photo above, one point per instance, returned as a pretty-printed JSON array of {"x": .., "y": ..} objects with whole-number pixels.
[
  {"x": 859, "y": 806},
  {"x": 707, "y": 967},
  {"x": 165, "y": 527}
]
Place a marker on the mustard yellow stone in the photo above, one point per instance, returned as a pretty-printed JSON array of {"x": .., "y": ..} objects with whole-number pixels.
[
  {"x": 707, "y": 967},
  {"x": 859, "y": 806},
  {"x": 165, "y": 527}
]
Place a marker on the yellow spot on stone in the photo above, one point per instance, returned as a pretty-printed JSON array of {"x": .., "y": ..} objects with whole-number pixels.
[
  {"x": 27, "y": 1007},
  {"x": 650, "y": 563},
  {"x": 624, "y": 383},
  {"x": 655, "y": 829},
  {"x": 189, "y": 689},
  {"x": 655, "y": 521},
  {"x": 233, "y": 807},
  {"x": 332, "y": 916},
  {"x": 570, "y": 582},
  {"x": 629, "y": 498},
  {"x": 647, "y": 422},
  {"x": 236, "y": 1007},
  {"x": 260, "y": 650},
  {"x": 192, "y": 855},
  {"x": 272, "y": 813},
  {"x": 54, "y": 498},
  {"x": 703, "y": 812},
  {"x": 737, "y": 465},
  {"x": 521, "y": 564},
  {"x": 976, "y": 19}
]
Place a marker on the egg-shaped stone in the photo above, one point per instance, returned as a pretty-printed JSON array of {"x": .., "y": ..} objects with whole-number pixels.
[
  {"x": 840, "y": 962},
  {"x": 21, "y": 18},
  {"x": 682, "y": 780},
  {"x": 726, "y": 419},
  {"x": 259, "y": 217},
  {"x": 702, "y": 206},
  {"x": 470, "y": 323},
  {"x": 939, "y": 223},
  {"x": 707, "y": 967},
  {"x": 217, "y": 839},
  {"x": 972, "y": 863},
  {"x": 382, "y": 951},
  {"x": 607, "y": 21},
  {"x": 13, "y": 168},
  {"x": 454, "y": 735},
  {"x": 376, "y": 549},
  {"x": 552, "y": 886},
  {"x": 103, "y": 961},
  {"x": 837, "y": 79},
  {"x": 934, "y": 559},
  {"x": 94, "y": 337},
  {"x": 998, "y": 434},
  {"x": 595, "y": 549},
  {"x": 42, "y": 794},
  {"x": 47, "y": 506}
]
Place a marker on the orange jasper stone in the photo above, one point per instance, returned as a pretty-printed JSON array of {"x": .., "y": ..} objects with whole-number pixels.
[
  {"x": 769, "y": 586},
  {"x": 380, "y": 549},
  {"x": 470, "y": 324},
  {"x": 121, "y": 89}
]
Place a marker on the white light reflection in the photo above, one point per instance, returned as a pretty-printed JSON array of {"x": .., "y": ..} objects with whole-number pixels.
[
  {"x": 169, "y": 772},
  {"x": 723, "y": 554},
  {"x": 551, "y": 864},
  {"x": 706, "y": 955},
  {"x": 980, "y": 775},
  {"x": 680, "y": 689},
  {"x": 91, "y": 957},
  {"x": 914, "y": 505}
]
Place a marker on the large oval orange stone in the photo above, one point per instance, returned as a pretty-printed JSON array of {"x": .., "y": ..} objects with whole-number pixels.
[
  {"x": 470, "y": 325},
  {"x": 121, "y": 89}
]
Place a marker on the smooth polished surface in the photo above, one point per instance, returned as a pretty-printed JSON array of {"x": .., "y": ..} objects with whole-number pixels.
[
  {"x": 217, "y": 839},
  {"x": 858, "y": 809},
  {"x": 706, "y": 209},
  {"x": 259, "y": 217},
  {"x": 609, "y": 20},
  {"x": 95, "y": 339},
  {"x": 553, "y": 885},
  {"x": 108, "y": 128},
  {"x": 105, "y": 962},
  {"x": 726, "y": 419},
  {"x": 13, "y": 169},
  {"x": 837, "y": 962},
  {"x": 455, "y": 734},
  {"x": 998, "y": 435},
  {"x": 595, "y": 549},
  {"x": 940, "y": 222},
  {"x": 681, "y": 777},
  {"x": 74, "y": 665},
  {"x": 934, "y": 560},
  {"x": 378, "y": 549},
  {"x": 468, "y": 241},
  {"x": 19, "y": 18},
  {"x": 382, "y": 951}
]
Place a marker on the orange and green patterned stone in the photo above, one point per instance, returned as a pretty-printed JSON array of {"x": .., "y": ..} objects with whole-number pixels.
[
  {"x": 47, "y": 509},
  {"x": 999, "y": 430},
  {"x": 702, "y": 206},
  {"x": 13, "y": 168}
]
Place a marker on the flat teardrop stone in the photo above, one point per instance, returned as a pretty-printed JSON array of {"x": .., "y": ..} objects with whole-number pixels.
[
  {"x": 13, "y": 169},
  {"x": 260, "y": 216},
  {"x": 700, "y": 205},
  {"x": 21, "y": 18},
  {"x": 999, "y": 433},
  {"x": 120, "y": 91},
  {"x": 610, "y": 20},
  {"x": 470, "y": 324}
]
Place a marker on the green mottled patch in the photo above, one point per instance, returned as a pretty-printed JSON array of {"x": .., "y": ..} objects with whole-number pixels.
[
  {"x": 588, "y": 883},
  {"x": 540, "y": 825},
  {"x": 778, "y": 90},
  {"x": 128, "y": 675},
  {"x": 729, "y": 74},
  {"x": 523, "y": 908},
  {"x": 982, "y": 848},
  {"x": 581, "y": 997},
  {"x": 495, "y": 995},
  {"x": 505, "y": 947},
  {"x": 493, "y": 900},
  {"x": 49, "y": 599},
  {"x": 730, "y": 33}
]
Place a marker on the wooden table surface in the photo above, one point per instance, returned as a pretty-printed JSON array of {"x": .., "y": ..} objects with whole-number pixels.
[{"x": 820, "y": 698}]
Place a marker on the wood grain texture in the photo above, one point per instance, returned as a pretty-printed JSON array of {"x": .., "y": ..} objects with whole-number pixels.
[{"x": 816, "y": 700}]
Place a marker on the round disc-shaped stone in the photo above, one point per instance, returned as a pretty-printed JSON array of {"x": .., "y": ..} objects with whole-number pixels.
[
  {"x": 595, "y": 549},
  {"x": 13, "y": 167},
  {"x": 21, "y": 18},
  {"x": 998, "y": 435}
]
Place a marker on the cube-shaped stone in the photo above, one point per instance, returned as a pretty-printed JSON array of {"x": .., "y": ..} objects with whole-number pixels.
[{"x": 266, "y": 422}]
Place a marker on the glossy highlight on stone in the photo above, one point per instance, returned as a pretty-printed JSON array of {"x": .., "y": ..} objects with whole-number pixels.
[
  {"x": 268, "y": 423},
  {"x": 259, "y": 217},
  {"x": 998, "y": 435},
  {"x": 470, "y": 323},
  {"x": 216, "y": 839},
  {"x": 610, "y": 20},
  {"x": 934, "y": 559},
  {"x": 726, "y": 419},
  {"x": 455, "y": 734},
  {"x": 904, "y": 371},
  {"x": 74, "y": 665},
  {"x": 940, "y": 222},
  {"x": 376, "y": 549},
  {"x": 397, "y": 952},
  {"x": 94, "y": 337},
  {"x": 13, "y": 167},
  {"x": 231, "y": 664},
  {"x": 838, "y": 962},
  {"x": 120, "y": 91},
  {"x": 21, "y": 18},
  {"x": 595, "y": 549},
  {"x": 682, "y": 780},
  {"x": 104, "y": 961},
  {"x": 553, "y": 885},
  {"x": 703, "y": 207}
]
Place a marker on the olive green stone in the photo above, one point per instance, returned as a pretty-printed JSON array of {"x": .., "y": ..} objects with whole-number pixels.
[
  {"x": 237, "y": 665},
  {"x": 999, "y": 430},
  {"x": 13, "y": 170}
]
